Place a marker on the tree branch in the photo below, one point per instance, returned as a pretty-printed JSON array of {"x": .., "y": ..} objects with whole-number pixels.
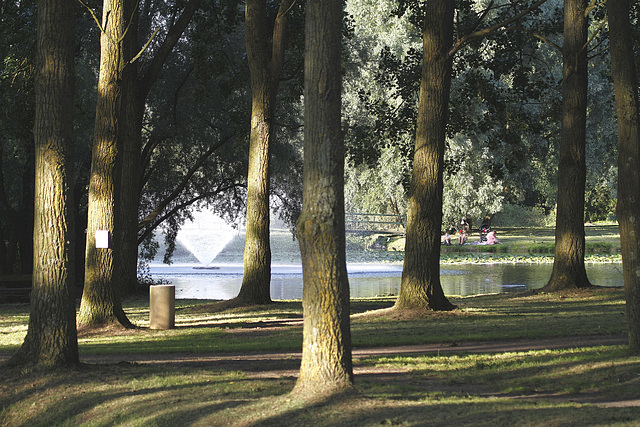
[
  {"x": 489, "y": 30},
  {"x": 546, "y": 40},
  {"x": 151, "y": 226},
  {"x": 595, "y": 33},
  {"x": 174, "y": 34},
  {"x": 93, "y": 14},
  {"x": 183, "y": 183}
]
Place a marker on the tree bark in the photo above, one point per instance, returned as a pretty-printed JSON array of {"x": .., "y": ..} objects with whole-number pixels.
[
  {"x": 51, "y": 339},
  {"x": 135, "y": 92},
  {"x": 257, "y": 249},
  {"x": 628, "y": 111},
  {"x": 420, "y": 286},
  {"x": 326, "y": 365},
  {"x": 265, "y": 74},
  {"x": 130, "y": 143},
  {"x": 101, "y": 303},
  {"x": 568, "y": 266}
]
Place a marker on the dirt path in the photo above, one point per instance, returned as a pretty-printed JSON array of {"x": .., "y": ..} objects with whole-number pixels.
[
  {"x": 268, "y": 362},
  {"x": 279, "y": 364}
]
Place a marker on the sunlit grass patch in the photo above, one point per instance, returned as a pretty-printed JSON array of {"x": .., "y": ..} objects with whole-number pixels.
[
  {"x": 607, "y": 370},
  {"x": 14, "y": 320}
]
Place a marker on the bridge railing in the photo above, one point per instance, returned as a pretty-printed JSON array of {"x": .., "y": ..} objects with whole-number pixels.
[{"x": 380, "y": 223}]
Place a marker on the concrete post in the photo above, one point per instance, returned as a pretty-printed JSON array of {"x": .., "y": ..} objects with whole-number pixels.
[{"x": 162, "y": 306}]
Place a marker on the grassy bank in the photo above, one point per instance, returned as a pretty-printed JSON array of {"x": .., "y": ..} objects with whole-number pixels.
[
  {"x": 518, "y": 244},
  {"x": 212, "y": 369}
]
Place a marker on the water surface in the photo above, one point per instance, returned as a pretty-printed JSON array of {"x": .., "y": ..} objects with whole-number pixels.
[{"x": 370, "y": 280}]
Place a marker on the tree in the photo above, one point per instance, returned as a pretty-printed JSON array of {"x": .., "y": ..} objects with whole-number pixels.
[
  {"x": 135, "y": 91},
  {"x": 568, "y": 266},
  {"x": 265, "y": 71},
  {"x": 51, "y": 339},
  {"x": 17, "y": 57},
  {"x": 420, "y": 285},
  {"x": 101, "y": 303},
  {"x": 326, "y": 365},
  {"x": 625, "y": 81}
]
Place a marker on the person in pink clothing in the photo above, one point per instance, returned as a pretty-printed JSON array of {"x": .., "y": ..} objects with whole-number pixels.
[{"x": 491, "y": 238}]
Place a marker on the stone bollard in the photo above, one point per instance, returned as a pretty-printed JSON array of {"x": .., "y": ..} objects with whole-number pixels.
[{"x": 162, "y": 306}]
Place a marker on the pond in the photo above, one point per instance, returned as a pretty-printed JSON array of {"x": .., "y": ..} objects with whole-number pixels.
[{"x": 370, "y": 280}]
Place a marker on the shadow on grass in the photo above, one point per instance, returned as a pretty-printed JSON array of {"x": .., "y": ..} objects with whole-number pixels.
[{"x": 127, "y": 394}]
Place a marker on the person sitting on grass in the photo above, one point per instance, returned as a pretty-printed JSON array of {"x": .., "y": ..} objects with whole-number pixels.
[
  {"x": 462, "y": 237},
  {"x": 492, "y": 239},
  {"x": 446, "y": 239}
]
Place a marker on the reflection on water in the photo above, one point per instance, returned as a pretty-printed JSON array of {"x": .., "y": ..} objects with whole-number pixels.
[{"x": 369, "y": 280}]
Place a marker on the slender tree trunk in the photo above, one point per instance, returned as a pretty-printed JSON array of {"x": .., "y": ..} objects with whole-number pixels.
[
  {"x": 568, "y": 266},
  {"x": 101, "y": 303},
  {"x": 420, "y": 286},
  {"x": 625, "y": 82},
  {"x": 51, "y": 339},
  {"x": 265, "y": 73},
  {"x": 130, "y": 143},
  {"x": 326, "y": 350},
  {"x": 257, "y": 249}
]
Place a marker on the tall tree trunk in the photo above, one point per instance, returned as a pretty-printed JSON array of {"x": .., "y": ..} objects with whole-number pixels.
[
  {"x": 101, "y": 303},
  {"x": 420, "y": 286},
  {"x": 51, "y": 339},
  {"x": 130, "y": 143},
  {"x": 568, "y": 266},
  {"x": 265, "y": 73},
  {"x": 257, "y": 249},
  {"x": 135, "y": 92},
  {"x": 326, "y": 350},
  {"x": 625, "y": 82}
]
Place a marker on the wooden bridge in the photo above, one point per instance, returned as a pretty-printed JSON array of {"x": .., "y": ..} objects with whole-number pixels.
[{"x": 375, "y": 223}]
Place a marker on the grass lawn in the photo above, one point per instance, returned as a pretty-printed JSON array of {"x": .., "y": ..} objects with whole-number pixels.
[
  {"x": 518, "y": 244},
  {"x": 514, "y": 359}
]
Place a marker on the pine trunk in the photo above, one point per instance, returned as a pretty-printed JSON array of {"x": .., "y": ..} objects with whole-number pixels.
[
  {"x": 568, "y": 266},
  {"x": 326, "y": 353},
  {"x": 420, "y": 286},
  {"x": 628, "y": 111},
  {"x": 51, "y": 339},
  {"x": 101, "y": 302}
]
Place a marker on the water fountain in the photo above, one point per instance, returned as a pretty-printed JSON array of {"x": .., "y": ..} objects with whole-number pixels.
[{"x": 206, "y": 236}]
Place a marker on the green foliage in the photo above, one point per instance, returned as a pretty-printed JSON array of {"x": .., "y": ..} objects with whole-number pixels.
[
  {"x": 599, "y": 204},
  {"x": 377, "y": 189},
  {"x": 468, "y": 189},
  {"x": 519, "y": 216}
]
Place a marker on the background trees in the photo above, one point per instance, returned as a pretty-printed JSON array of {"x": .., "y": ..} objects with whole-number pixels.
[
  {"x": 504, "y": 130},
  {"x": 501, "y": 140},
  {"x": 17, "y": 50}
]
